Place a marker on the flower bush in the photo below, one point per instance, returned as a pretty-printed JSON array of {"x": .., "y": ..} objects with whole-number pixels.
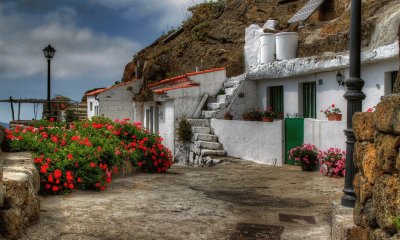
[
  {"x": 85, "y": 155},
  {"x": 268, "y": 112},
  {"x": 305, "y": 155},
  {"x": 331, "y": 110},
  {"x": 333, "y": 162}
]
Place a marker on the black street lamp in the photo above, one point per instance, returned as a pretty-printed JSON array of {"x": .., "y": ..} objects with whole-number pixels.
[
  {"x": 354, "y": 96},
  {"x": 49, "y": 52}
]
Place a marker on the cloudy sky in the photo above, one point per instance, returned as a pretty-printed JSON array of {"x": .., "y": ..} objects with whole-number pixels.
[{"x": 94, "y": 40}]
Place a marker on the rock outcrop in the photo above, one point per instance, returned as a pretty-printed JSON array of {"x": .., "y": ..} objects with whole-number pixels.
[{"x": 215, "y": 34}]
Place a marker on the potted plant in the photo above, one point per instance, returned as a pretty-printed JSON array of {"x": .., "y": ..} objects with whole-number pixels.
[
  {"x": 333, "y": 113},
  {"x": 268, "y": 115},
  {"x": 333, "y": 162},
  {"x": 253, "y": 115},
  {"x": 228, "y": 116},
  {"x": 305, "y": 155}
]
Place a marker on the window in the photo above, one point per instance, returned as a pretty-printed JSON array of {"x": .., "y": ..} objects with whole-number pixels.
[
  {"x": 309, "y": 99},
  {"x": 390, "y": 79},
  {"x": 393, "y": 77},
  {"x": 91, "y": 106},
  {"x": 276, "y": 99}
]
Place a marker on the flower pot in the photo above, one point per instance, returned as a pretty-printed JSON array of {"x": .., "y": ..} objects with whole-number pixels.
[
  {"x": 267, "y": 119},
  {"x": 307, "y": 168},
  {"x": 335, "y": 117},
  {"x": 228, "y": 117}
]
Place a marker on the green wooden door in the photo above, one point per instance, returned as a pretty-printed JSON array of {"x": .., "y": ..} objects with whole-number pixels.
[
  {"x": 294, "y": 136},
  {"x": 276, "y": 99},
  {"x": 309, "y": 100}
]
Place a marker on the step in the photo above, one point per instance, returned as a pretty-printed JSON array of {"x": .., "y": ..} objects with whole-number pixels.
[
  {"x": 195, "y": 149},
  {"x": 199, "y": 122},
  {"x": 205, "y": 137},
  {"x": 216, "y": 106},
  {"x": 209, "y": 114},
  {"x": 221, "y": 98},
  {"x": 230, "y": 91},
  {"x": 205, "y": 130},
  {"x": 208, "y": 152},
  {"x": 208, "y": 145},
  {"x": 230, "y": 84}
]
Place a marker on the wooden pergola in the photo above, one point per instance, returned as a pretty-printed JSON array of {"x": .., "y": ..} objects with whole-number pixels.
[{"x": 36, "y": 103}]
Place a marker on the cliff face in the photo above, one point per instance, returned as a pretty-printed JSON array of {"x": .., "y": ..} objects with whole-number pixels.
[{"x": 214, "y": 35}]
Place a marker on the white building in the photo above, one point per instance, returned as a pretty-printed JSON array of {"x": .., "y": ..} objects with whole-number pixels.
[
  {"x": 115, "y": 102},
  {"x": 300, "y": 87},
  {"x": 179, "y": 97}
]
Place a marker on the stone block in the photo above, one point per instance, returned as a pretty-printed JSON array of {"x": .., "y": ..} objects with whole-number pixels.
[
  {"x": 358, "y": 213},
  {"x": 379, "y": 234},
  {"x": 362, "y": 188},
  {"x": 208, "y": 145},
  {"x": 358, "y": 233},
  {"x": 368, "y": 218},
  {"x": 366, "y": 159},
  {"x": 363, "y": 126},
  {"x": 387, "y": 148},
  {"x": 386, "y": 201},
  {"x": 205, "y": 130},
  {"x": 387, "y": 114}
]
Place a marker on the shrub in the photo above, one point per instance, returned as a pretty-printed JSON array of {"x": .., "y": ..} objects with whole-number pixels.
[
  {"x": 87, "y": 154},
  {"x": 199, "y": 32},
  {"x": 333, "y": 162},
  {"x": 184, "y": 130},
  {"x": 397, "y": 222},
  {"x": 305, "y": 155}
]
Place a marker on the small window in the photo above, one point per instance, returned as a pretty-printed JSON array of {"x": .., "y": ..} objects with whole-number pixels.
[
  {"x": 393, "y": 77},
  {"x": 91, "y": 106},
  {"x": 309, "y": 100},
  {"x": 276, "y": 99}
]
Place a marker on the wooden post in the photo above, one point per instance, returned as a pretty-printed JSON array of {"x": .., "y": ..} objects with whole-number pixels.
[
  {"x": 12, "y": 108},
  {"x": 19, "y": 110}
]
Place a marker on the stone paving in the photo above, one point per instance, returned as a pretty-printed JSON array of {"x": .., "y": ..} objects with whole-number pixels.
[{"x": 233, "y": 200}]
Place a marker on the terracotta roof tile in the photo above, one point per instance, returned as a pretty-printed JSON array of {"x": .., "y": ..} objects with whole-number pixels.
[
  {"x": 183, "y": 76},
  {"x": 109, "y": 88},
  {"x": 163, "y": 90}
]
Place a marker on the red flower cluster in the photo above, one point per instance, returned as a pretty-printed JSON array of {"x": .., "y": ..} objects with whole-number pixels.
[{"x": 81, "y": 157}]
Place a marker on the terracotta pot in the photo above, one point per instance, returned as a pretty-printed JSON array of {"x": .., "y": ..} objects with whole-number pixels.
[
  {"x": 267, "y": 119},
  {"x": 335, "y": 117},
  {"x": 307, "y": 168}
]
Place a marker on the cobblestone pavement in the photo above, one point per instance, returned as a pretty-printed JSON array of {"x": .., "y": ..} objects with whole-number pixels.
[{"x": 233, "y": 200}]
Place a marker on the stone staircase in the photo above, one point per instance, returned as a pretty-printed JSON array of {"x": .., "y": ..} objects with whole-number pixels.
[
  {"x": 217, "y": 108},
  {"x": 205, "y": 150}
]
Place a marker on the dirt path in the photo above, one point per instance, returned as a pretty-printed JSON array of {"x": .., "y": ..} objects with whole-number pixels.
[{"x": 196, "y": 203}]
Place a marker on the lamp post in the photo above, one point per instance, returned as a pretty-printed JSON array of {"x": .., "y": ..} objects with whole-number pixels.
[
  {"x": 49, "y": 52},
  {"x": 354, "y": 96}
]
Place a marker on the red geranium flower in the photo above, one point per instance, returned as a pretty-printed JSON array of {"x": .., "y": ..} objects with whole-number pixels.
[
  {"x": 54, "y": 188},
  {"x": 69, "y": 156},
  {"x": 92, "y": 164},
  {"x": 57, "y": 173}
]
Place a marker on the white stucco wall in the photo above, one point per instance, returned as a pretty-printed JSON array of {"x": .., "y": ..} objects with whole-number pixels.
[
  {"x": 329, "y": 92},
  {"x": 210, "y": 82},
  {"x": 185, "y": 101},
  {"x": 256, "y": 141},
  {"x": 244, "y": 104},
  {"x": 325, "y": 134},
  {"x": 166, "y": 124},
  {"x": 117, "y": 103},
  {"x": 91, "y": 100}
]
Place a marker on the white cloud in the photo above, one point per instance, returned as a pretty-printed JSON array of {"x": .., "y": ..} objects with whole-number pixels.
[{"x": 80, "y": 51}]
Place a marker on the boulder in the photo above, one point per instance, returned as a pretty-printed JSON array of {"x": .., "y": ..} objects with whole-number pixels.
[
  {"x": 366, "y": 159},
  {"x": 386, "y": 201},
  {"x": 387, "y": 115},
  {"x": 363, "y": 126},
  {"x": 387, "y": 148}
]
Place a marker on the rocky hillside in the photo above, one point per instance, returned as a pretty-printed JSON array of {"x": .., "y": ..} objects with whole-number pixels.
[{"x": 214, "y": 35}]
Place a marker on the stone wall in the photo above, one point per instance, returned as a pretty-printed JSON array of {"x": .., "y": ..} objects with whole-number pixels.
[{"x": 377, "y": 181}]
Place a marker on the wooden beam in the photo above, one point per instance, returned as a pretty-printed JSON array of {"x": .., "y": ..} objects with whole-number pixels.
[{"x": 12, "y": 109}]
